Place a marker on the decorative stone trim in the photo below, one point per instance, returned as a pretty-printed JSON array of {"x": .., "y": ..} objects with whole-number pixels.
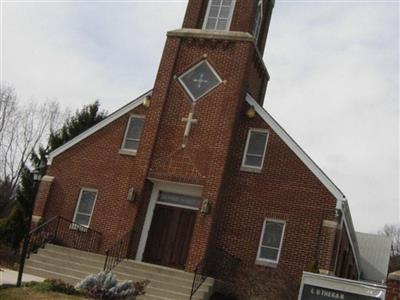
[
  {"x": 325, "y": 272},
  {"x": 47, "y": 178},
  {"x": 330, "y": 224},
  {"x": 212, "y": 34},
  {"x": 36, "y": 219},
  {"x": 394, "y": 276}
]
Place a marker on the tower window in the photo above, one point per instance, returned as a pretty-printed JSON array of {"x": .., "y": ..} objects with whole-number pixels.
[
  {"x": 253, "y": 158},
  {"x": 219, "y": 14},
  {"x": 258, "y": 21}
]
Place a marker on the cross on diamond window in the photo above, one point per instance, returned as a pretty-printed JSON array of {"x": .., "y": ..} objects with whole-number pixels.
[
  {"x": 200, "y": 80},
  {"x": 219, "y": 14},
  {"x": 271, "y": 240}
]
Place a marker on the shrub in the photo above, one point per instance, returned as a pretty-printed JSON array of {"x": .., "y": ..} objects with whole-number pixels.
[
  {"x": 54, "y": 285},
  {"x": 105, "y": 286}
]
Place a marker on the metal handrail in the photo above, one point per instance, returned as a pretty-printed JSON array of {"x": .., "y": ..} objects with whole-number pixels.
[
  {"x": 64, "y": 232},
  {"x": 118, "y": 252},
  {"x": 218, "y": 264},
  {"x": 61, "y": 231}
]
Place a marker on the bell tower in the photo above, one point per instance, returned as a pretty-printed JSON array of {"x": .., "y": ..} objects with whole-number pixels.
[{"x": 206, "y": 69}]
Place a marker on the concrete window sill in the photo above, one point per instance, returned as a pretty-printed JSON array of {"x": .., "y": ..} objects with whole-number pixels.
[
  {"x": 250, "y": 169},
  {"x": 77, "y": 227},
  {"x": 127, "y": 152},
  {"x": 266, "y": 263}
]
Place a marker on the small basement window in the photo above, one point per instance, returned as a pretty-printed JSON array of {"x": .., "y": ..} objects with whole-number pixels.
[
  {"x": 133, "y": 134},
  {"x": 254, "y": 153},
  {"x": 219, "y": 14},
  {"x": 271, "y": 241},
  {"x": 85, "y": 206}
]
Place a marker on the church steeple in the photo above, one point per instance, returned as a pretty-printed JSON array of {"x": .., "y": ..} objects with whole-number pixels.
[{"x": 252, "y": 16}]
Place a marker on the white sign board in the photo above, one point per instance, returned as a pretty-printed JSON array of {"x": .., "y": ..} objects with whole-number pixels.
[{"x": 323, "y": 287}]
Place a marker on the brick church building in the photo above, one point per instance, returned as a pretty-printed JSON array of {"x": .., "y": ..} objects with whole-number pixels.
[{"x": 198, "y": 163}]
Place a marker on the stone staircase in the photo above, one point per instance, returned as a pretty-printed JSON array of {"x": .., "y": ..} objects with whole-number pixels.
[{"x": 72, "y": 265}]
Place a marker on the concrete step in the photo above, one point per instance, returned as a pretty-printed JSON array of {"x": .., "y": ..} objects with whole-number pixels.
[
  {"x": 171, "y": 284},
  {"x": 138, "y": 265},
  {"x": 155, "y": 275},
  {"x": 71, "y": 266},
  {"x": 61, "y": 249},
  {"x": 91, "y": 268}
]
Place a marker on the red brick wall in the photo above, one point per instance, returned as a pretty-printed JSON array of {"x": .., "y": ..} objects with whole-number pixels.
[
  {"x": 393, "y": 290},
  {"x": 95, "y": 163},
  {"x": 285, "y": 190}
]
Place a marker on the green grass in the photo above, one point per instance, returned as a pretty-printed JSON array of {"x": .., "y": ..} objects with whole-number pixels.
[{"x": 33, "y": 294}]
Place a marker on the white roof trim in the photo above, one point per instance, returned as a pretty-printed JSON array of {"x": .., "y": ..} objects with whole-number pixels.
[
  {"x": 111, "y": 118},
  {"x": 312, "y": 166}
]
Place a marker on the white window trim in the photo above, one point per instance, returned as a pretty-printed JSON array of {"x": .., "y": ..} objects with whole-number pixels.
[
  {"x": 248, "y": 168},
  {"x": 265, "y": 260},
  {"x": 191, "y": 69},
  {"x": 84, "y": 189},
  {"x": 126, "y": 150},
  {"x": 228, "y": 24},
  {"x": 257, "y": 34}
]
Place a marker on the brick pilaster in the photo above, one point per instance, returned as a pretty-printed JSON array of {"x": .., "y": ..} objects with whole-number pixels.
[{"x": 41, "y": 198}]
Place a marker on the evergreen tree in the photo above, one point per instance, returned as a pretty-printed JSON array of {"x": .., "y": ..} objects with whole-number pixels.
[
  {"x": 16, "y": 225},
  {"x": 83, "y": 119}
]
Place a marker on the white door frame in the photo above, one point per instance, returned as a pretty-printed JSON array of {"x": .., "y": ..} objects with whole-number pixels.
[{"x": 166, "y": 186}]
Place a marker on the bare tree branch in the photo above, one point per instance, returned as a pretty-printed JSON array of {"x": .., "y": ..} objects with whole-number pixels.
[{"x": 23, "y": 127}]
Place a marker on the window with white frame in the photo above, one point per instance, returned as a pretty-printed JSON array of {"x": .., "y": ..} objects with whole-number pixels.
[
  {"x": 85, "y": 206},
  {"x": 133, "y": 133},
  {"x": 219, "y": 14},
  {"x": 258, "y": 21},
  {"x": 253, "y": 158},
  {"x": 271, "y": 241}
]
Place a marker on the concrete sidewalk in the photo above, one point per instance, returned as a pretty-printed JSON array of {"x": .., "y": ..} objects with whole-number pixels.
[{"x": 8, "y": 276}]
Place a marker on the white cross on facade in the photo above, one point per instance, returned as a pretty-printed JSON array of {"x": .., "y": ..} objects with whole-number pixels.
[
  {"x": 189, "y": 121},
  {"x": 200, "y": 81}
]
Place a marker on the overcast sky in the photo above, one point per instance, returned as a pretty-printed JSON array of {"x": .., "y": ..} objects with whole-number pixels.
[{"x": 334, "y": 69}]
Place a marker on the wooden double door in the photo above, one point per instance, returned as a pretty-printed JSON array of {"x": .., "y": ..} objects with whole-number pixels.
[{"x": 169, "y": 237}]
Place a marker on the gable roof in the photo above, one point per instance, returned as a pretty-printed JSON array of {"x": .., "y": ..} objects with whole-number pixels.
[
  {"x": 341, "y": 202},
  {"x": 291, "y": 143},
  {"x": 110, "y": 118}
]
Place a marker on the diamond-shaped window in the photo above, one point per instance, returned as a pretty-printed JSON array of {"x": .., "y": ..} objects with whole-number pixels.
[{"x": 199, "y": 80}]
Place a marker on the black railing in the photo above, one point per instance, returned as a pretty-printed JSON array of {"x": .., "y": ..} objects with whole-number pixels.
[
  {"x": 118, "y": 252},
  {"x": 218, "y": 264},
  {"x": 59, "y": 231},
  {"x": 63, "y": 232}
]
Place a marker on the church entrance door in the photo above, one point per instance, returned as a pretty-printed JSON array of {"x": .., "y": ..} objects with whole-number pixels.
[{"x": 171, "y": 229}]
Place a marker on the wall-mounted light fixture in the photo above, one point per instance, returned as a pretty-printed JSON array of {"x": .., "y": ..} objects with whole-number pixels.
[
  {"x": 205, "y": 207},
  {"x": 251, "y": 113},
  {"x": 131, "y": 195},
  {"x": 146, "y": 101}
]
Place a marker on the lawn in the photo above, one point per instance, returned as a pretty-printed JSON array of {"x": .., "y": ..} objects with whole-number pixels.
[{"x": 33, "y": 294}]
